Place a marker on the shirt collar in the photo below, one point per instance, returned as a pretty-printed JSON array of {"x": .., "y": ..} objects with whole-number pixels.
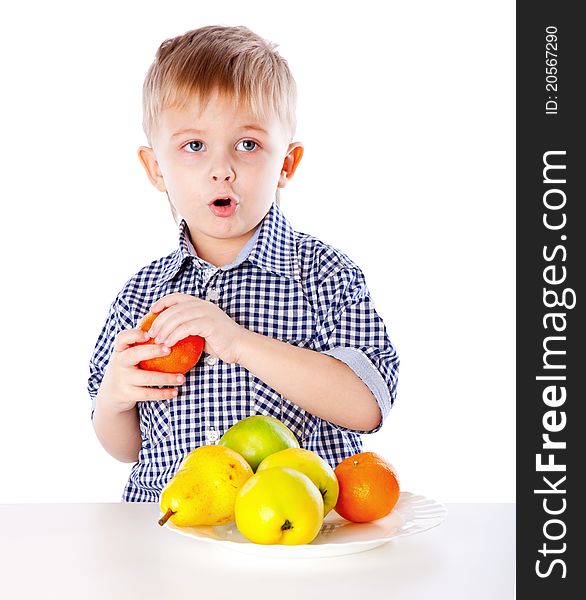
[{"x": 272, "y": 248}]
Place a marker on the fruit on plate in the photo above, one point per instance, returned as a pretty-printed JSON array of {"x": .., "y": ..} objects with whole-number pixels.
[
  {"x": 257, "y": 437},
  {"x": 311, "y": 464},
  {"x": 183, "y": 356},
  {"x": 279, "y": 506},
  {"x": 203, "y": 490},
  {"x": 369, "y": 487}
]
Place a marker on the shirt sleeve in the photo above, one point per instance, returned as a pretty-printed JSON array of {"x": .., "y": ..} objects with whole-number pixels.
[
  {"x": 119, "y": 318},
  {"x": 351, "y": 330}
]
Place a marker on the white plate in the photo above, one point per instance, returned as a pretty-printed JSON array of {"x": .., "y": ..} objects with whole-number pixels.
[{"x": 412, "y": 514}]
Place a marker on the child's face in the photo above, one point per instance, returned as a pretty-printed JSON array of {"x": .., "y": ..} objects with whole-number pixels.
[{"x": 224, "y": 157}]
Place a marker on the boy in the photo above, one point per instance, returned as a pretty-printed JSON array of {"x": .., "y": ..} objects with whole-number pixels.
[{"x": 289, "y": 327}]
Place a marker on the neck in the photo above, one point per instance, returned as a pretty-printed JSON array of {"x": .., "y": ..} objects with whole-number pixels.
[{"x": 220, "y": 252}]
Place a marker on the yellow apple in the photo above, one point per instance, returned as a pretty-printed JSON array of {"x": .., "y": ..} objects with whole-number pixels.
[
  {"x": 279, "y": 506},
  {"x": 311, "y": 464}
]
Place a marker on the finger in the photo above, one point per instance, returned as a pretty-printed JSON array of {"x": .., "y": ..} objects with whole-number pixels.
[
  {"x": 160, "y": 320},
  {"x": 175, "y": 319},
  {"x": 150, "y": 394},
  {"x": 170, "y": 300},
  {"x": 127, "y": 337},
  {"x": 132, "y": 356},
  {"x": 182, "y": 331},
  {"x": 142, "y": 378},
  {"x": 163, "y": 318}
]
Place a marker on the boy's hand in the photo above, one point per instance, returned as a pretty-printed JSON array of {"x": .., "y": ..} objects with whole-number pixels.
[
  {"x": 125, "y": 383},
  {"x": 187, "y": 315}
]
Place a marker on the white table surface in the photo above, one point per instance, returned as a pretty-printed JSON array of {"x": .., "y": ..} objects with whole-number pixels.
[{"x": 112, "y": 551}]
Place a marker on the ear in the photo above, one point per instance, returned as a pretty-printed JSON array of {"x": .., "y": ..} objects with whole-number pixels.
[
  {"x": 294, "y": 154},
  {"x": 149, "y": 161}
]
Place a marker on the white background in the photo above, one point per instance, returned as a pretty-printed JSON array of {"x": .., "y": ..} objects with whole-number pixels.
[{"x": 406, "y": 110}]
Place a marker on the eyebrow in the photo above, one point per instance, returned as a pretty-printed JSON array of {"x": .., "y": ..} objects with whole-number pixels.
[{"x": 199, "y": 131}]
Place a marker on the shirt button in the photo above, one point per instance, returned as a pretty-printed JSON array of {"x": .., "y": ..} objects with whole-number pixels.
[
  {"x": 210, "y": 360},
  {"x": 212, "y": 435},
  {"x": 213, "y": 294}
]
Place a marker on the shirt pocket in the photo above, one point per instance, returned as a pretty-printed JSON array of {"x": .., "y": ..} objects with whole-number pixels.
[
  {"x": 292, "y": 325},
  {"x": 155, "y": 418},
  {"x": 269, "y": 402}
]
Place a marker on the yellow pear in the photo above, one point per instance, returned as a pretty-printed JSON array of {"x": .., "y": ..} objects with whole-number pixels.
[{"x": 203, "y": 490}]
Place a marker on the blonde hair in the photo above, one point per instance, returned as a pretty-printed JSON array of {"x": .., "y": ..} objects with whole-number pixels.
[{"x": 233, "y": 60}]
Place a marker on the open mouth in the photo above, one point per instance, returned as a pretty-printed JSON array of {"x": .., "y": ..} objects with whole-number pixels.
[{"x": 224, "y": 207}]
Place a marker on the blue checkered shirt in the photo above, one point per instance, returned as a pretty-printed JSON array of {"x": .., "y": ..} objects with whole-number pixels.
[{"x": 284, "y": 284}]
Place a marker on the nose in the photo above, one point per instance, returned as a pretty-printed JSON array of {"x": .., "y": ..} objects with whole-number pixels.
[{"x": 222, "y": 174}]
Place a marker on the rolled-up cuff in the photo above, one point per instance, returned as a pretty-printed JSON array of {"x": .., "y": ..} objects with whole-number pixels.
[
  {"x": 93, "y": 399},
  {"x": 368, "y": 373}
]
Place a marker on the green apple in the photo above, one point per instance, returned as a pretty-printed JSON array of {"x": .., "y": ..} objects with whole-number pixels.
[
  {"x": 257, "y": 437},
  {"x": 311, "y": 464},
  {"x": 279, "y": 506}
]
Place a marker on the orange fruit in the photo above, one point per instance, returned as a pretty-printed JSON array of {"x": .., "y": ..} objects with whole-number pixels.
[
  {"x": 183, "y": 356},
  {"x": 369, "y": 487}
]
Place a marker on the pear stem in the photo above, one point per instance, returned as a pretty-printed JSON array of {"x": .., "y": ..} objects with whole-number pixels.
[{"x": 166, "y": 516}]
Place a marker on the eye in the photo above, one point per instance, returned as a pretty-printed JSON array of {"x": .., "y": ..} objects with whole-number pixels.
[
  {"x": 194, "y": 146},
  {"x": 248, "y": 148}
]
